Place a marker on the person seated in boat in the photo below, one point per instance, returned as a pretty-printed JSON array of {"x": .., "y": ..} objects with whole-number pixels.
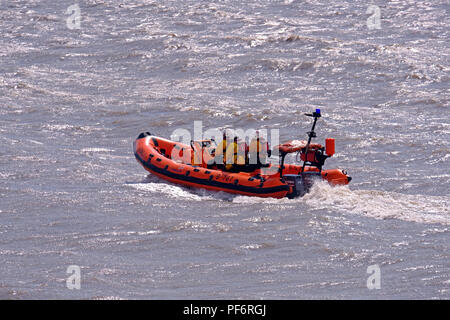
[{"x": 259, "y": 151}]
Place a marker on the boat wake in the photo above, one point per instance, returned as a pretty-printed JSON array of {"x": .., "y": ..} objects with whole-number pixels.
[
  {"x": 380, "y": 204},
  {"x": 370, "y": 203},
  {"x": 156, "y": 185}
]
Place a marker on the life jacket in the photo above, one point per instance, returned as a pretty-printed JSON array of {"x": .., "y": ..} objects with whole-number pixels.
[
  {"x": 221, "y": 152},
  {"x": 256, "y": 150},
  {"x": 234, "y": 154}
]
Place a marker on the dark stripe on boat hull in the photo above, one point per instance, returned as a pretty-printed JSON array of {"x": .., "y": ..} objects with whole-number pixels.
[{"x": 212, "y": 183}]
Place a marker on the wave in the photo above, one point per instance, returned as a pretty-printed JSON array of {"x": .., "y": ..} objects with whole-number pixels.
[
  {"x": 380, "y": 204},
  {"x": 370, "y": 203},
  {"x": 154, "y": 184}
]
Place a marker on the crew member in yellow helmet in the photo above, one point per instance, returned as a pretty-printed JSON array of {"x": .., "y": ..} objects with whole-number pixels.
[
  {"x": 234, "y": 158},
  {"x": 259, "y": 150},
  {"x": 220, "y": 152}
]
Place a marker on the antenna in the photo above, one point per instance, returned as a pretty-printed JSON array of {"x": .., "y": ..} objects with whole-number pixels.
[{"x": 311, "y": 134}]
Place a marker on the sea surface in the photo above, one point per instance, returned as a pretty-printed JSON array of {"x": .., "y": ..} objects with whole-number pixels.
[{"x": 74, "y": 96}]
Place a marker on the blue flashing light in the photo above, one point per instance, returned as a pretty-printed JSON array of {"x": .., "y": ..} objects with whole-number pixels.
[{"x": 318, "y": 111}]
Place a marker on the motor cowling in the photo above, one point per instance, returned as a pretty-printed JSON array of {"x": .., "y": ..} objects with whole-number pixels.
[{"x": 300, "y": 184}]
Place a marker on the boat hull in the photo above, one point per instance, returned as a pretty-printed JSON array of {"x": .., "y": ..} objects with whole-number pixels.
[{"x": 152, "y": 153}]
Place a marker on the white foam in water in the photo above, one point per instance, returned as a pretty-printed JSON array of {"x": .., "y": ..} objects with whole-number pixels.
[
  {"x": 170, "y": 190},
  {"x": 250, "y": 200},
  {"x": 371, "y": 203},
  {"x": 96, "y": 150},
  {"x": 154, "y": 184},
  {"x": 380, "y": 204}
]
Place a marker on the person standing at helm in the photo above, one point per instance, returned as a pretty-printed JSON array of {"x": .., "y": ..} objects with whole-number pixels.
[
  {"x": 243, "y": 152},
  {"x": 258, "y": 151},
  {"x": 220, "y": 153},
  {"x": 235, "y": 160}
]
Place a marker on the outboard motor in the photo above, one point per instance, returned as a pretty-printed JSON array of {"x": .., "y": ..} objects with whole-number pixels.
[
  {"x": 313, "y": 156},
  {"x": 301, "y": 183}
]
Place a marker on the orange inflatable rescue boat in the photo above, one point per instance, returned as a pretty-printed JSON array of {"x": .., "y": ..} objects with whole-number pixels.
[{"x": 202, "y": 165}]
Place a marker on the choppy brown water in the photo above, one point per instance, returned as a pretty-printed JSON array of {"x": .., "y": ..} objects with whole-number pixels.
[{"x": 73, "y": 101}]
